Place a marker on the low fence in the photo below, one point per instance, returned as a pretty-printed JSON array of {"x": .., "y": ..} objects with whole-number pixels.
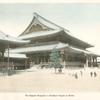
[
  {"x": 64, "y": 64},
  {"x": 74, "y": 64},
  {"x": 13, "y": 65}
]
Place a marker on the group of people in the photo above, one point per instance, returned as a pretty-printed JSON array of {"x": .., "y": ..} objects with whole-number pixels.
[
  {"x": 76, "y": 74},
  {"x": 92, "y": 74}
]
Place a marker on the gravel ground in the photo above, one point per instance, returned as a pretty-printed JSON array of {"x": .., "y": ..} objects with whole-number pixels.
[{"x": 45, "y": 80}]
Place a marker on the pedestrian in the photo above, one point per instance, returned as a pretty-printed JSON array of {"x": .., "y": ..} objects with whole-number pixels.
[
  {"x": 81, "y": 73},
  {"x": 91, "y": 73},
  {"x": 95, "y": 74},
  {"x": 76, "y": 76}
]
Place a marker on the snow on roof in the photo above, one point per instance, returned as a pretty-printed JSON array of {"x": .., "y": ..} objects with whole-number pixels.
[
  {"x": 79, "y": 50},
  {"x": 6, "y": 38},
  {"x": 54, "y": 28},
  {"x": 52, "y": 32},
  {"x": 38, "y": 48},
  {"x": 12, "y": 55},
  {"x": 84, "y": 51},
  {"x": 49, "y": 48},
  {"x": 47, "y": 22},
  {"x": 39, "y": 34}
]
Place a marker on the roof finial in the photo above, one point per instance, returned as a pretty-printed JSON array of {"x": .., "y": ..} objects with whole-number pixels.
[{"x": 35, "y": 14}]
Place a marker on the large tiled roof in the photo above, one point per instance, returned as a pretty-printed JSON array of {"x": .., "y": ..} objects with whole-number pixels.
[
  {"x": 38, "y": 48},
  {"x": 41, "y": 27},
  {"x": 44, "y": 48},
  {"x": 5, "y": 39},
  {"x": 39, "y": 34}
]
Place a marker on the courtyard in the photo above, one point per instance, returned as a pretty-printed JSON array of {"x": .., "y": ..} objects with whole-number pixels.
[{"x": 45, "y": 80}]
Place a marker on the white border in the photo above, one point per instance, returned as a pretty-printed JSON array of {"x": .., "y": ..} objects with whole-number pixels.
[
  {"x": 78, "y": 96},
  {"x": 50, "y": 1}
]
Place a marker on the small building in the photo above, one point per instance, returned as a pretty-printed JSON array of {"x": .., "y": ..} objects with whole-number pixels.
[
  {"x": 45, "y": 35},
  {"x": 8, "y": 60},
  {"x": 16, "y": 61}
]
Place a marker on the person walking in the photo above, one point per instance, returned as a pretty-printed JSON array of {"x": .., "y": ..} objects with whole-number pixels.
[
  {"x": 95, "y": 74},
  {"x": 91, "y": 73},
  {"x": 81, "y": 73},
  {"x": 76, "y": 76}
]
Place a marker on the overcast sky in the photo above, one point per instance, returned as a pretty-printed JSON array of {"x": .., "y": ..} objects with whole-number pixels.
[{"x": 83, "y": 20}]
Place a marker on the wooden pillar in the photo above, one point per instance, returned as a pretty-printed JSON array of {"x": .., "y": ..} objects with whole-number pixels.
[
  {"x": 2, "y": 60},
  {"x": 96, "y": 62},
  {"x": 66, "y": 58},
  {"x": 37, "y": 59},
  {"x": 64, "y": 63},
  {"x": 92, "y": 61},
  {"x": 25, "y": 64},
  {"x": 62, "y": 57},
  {"x": 8, "y": 58},
  {"x": 41, "y": 61},
  {"x": 44, "y": 59},
  {"x": 87, "y": 61},
  {"x": 2, "y": 57},
  {"x": 48, "y": 59}
]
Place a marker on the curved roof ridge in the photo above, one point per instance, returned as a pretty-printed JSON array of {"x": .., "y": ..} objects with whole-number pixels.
[
  {"x": 42, "y": 21},
  {"x": 74, "y": 37},
  {"x": 6, "y": 38},
  {"x": 36, "y": 14},
  {"x": 38, "y": 34}
]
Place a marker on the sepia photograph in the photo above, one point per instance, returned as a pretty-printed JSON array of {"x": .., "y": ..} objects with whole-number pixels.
[{"x": 49, "y": 48}]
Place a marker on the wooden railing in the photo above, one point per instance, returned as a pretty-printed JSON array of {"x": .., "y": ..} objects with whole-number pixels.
[
  {"x": 74, "y": 64},
  {"x": 5, "y": 64},
  {"x": 14, "y": 65},
  {"x": 66, "y": 64}
]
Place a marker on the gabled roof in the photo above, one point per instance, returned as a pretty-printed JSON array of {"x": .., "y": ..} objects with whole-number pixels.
[
  {"x": 39, "y": 23},
  {"x": 41, "y": 27},
  {"x": 5, "y": 39},
  {"x": 12, "y": 41}
]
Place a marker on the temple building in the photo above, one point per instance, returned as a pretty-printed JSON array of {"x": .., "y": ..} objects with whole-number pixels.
[{"x": 45, "y": 35}]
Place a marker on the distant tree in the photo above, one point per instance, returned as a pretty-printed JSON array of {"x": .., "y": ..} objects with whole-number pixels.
[{"x": 55, "y": 60}]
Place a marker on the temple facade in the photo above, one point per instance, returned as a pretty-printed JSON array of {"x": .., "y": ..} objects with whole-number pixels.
[{"x": 45, "y": 35}]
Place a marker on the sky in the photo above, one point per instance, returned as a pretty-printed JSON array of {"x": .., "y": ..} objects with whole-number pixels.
[{"x": 81, "y": 19}]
